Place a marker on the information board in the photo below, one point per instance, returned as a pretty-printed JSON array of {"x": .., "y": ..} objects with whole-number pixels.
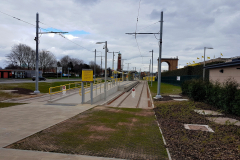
[
  {"x": 87, "y": 75},
  {"x": 178, "y": 78},
  {"x": 59, "y": 69}
]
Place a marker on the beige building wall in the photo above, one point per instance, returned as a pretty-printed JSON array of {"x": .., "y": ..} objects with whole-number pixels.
[{"x": 228, "y": 72}]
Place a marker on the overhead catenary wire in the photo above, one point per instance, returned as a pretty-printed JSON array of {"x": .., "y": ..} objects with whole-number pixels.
[
  {"x": 138, "y": 15},
  {"x": 64, "y": 36},
  {"x": 147, "y": 26},
  {"x": 43, "y": 29},
  {"x": 136, "y": 29}
]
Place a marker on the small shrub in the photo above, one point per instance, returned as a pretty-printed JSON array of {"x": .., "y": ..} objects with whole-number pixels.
[
  {"x": 236, "y": 103},
  {"x": 224, "y": 96}
]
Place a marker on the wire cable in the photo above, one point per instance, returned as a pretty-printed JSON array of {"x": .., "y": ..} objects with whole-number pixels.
[
  {"x": 42, "y": 29},
  {"x": 147, "y": 26},
  {"x": 64, "y": 36},
  {"x": 17, "y": 18},
  {"x": 138, "y": 15},
  {"x": 136, "y": 30}
]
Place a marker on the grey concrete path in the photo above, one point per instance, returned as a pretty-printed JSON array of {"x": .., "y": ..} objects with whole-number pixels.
[
  {"x": 18, "y": 122},
  {"x": 14, "y": 154}
]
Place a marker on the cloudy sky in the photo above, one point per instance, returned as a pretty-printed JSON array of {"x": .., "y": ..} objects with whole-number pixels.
[{"x": 188, "y": 27}]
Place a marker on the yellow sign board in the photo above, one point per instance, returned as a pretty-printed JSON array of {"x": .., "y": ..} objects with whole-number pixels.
[{"x": 87, "y": 75}]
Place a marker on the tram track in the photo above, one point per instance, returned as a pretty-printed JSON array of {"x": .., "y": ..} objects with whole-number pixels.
[{"x": 124, "y": 100}]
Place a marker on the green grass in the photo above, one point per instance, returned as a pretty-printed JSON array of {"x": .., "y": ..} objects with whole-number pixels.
[
  {"x": 166, "y": 89},
  {"x": 126, "y": 133},
  {"x": 64, "y": 77},
  {"x": 3, "y": 105},
  {"x": 43, "y": 86}
]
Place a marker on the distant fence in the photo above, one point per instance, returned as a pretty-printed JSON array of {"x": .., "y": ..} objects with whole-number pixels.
[{"x": 178, "y": 80}]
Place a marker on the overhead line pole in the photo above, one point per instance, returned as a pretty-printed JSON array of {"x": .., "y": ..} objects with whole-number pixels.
[
  {"x": 127, "y": 70},
  {"x": 122, "y": 66},
  {"x": 37, "y": 60},
  {"x": 152, "y": 67},
  {"x": 160, "y": 53}
]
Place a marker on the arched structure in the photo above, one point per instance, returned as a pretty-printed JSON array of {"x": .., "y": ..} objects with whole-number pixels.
[{"x": 172, "y": 63}]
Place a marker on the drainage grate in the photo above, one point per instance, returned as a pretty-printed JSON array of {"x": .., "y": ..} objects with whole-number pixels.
[{"x": 198, "y": 127}]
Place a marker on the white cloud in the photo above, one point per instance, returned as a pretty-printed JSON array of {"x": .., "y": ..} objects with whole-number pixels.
[
  {"x": 188, "y": 27},
  {"x": 71, "y": 37}
]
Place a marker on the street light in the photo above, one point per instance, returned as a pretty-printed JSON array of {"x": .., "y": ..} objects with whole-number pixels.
[
  {"x": 105, "y": 84},
  {"x": 204, "y": 61}
]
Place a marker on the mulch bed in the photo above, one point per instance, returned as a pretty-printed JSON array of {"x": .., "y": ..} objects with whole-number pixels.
[
  {"x": 224, "y": 143},
  {"x": 165, "y": 98},
  {"x": 22, "y": 91}
]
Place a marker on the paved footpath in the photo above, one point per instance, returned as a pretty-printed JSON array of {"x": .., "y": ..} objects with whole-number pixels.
[{"x": 18, "y": 122}]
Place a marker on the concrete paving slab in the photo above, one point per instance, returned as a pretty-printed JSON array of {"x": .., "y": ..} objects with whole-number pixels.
[
  {"x": 223, "y": 120},
  {"x": 18, "y": 122},
  {"x": 175, "y": 96},
  {"x": 207, "y": 112},
  {"x": 180, "y": 99},
  {"x": 198, "y": 127},
  {"x": 9, "y": 154}
]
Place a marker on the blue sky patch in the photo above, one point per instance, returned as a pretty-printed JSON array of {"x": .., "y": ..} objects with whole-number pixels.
[{"x": 75, "y": 33}]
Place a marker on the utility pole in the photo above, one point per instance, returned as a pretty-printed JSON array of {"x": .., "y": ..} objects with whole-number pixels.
[
  {"x": 122, "y": 65},
  {"x": 95, "y": 64},
  {"x": 113, "y": 62},
  {"x": 160, "y": 54},
  {"x": 37, "y": 39},
  {"x": 152, "y": 67},
  {"x": 127, "y": 69},
  {"x": 149, "y": 69}
]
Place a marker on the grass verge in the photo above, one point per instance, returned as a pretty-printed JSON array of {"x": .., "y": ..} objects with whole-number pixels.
[
  {"x": 4, "y": 105},
  {"x": 102, "y": 131},
  {"x": 166, "y": 89},
  {"x": 223, "y": 143},
  {"x": 43, "y": 86}
]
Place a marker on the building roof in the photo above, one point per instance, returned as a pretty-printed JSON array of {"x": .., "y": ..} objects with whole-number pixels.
[{"x": 234, "y": 62}]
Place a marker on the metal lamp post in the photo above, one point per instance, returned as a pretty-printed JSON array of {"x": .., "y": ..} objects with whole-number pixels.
[
  {"x": 204, "y": 61},
  {"x": 105, "y": 83}
]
